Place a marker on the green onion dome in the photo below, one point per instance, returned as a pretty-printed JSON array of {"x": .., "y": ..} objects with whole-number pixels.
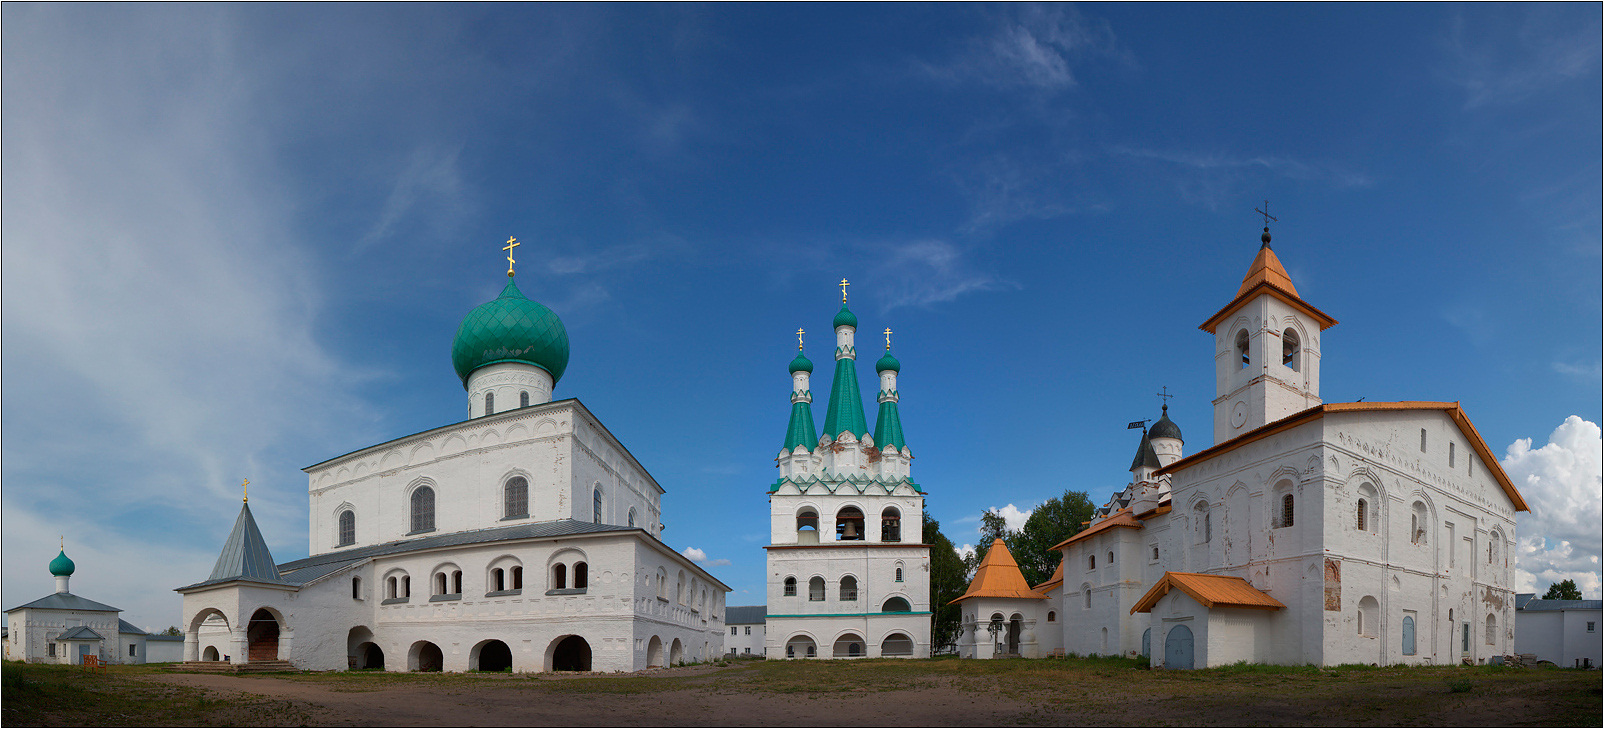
[
  {"x": 1165, "y": 428},
  {"x": 511, "y": 329},
  {"x": 888, "y": 362},
  {"x": 61, "y": 566},
  {"x": 801, "y": 364},
  {"x": 845, "y": 318}
]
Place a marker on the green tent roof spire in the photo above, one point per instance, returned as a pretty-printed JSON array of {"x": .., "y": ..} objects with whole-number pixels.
[
  {"x": 245, "y": 555},
  {"x": 888, "y": 427},
  {"x": 801, "y": 431},
  {"x": 1145, "y": 455},
  {"x": 846, "y": 403}
]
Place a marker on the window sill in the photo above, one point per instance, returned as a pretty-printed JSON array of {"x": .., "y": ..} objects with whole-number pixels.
[
  {"x": 394, "y": 600},
  {"x": 504, "y": 593},
  {"x": 515, "y": 517},
  {"x": 446, "y": 598},
  {"x": 662, "y": 599},
  {"x": 567, "y": 591},
  {"x": 420, "y": 531}
]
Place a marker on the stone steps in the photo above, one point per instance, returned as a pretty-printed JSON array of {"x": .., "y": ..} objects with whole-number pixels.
[{"x": 226, "y": 667}]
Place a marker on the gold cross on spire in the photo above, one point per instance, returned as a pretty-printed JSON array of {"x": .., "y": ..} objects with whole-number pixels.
[
  {"x": 511, "y": 244},
  {"x": 799, "y": 340},
  {"x": 888, "y": 339},
  {"x": 247, "y": 487},
  {"x": 844, "y": 286}
]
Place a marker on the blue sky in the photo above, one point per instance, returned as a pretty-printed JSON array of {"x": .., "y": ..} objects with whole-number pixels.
[{"x": 239, "y": 240}]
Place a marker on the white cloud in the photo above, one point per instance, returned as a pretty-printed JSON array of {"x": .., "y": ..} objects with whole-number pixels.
[
  {"x": 1589, "y": 372},
  {"x": 1560, "y": 537},
  {"x": 928, "y": 272},
  {"x": 1012, "y": 515},
  {"x": 429, "y": 187},
  {"x": 1032, "y": 46},
  {"x": 965, "y": 551},
  {"x": 693, "y": 554},
  {"x": 1511, "y": 59},
  {"x": 1210, "y": 177}
]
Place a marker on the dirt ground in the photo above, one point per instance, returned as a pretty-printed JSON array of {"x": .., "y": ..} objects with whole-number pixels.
[{"x": 940, "y": 693}]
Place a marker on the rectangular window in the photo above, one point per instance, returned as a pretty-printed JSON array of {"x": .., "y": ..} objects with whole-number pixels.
[
  {"x": 1422, "y": 440},
  {"x": 1590, "y": 625},
  {"x": 50, "y": 650},
  {"x": 1450, "y": 455},
  {"x": 732, "y": 630},
  {"x": 1451, "y": 543},
  {"x": 131, "y": 650},
  {"x": 747, "y": 651},
  {"x": 748, "y": 630}
]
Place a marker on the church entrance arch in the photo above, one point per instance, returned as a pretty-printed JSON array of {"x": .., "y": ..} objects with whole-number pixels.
[
  {"x": 208, "y": 629},
  {"x": 676, "y": 653},
  {"x": 490, "y": 655},
  {"x": 261, "y": 633},
  {"x": 425, "y": 656},
  {"x": 1178, "y": 647},
  {"x": 210, "y": 654},
  {"x": 570, "y": 653},
  {"x": 654, "y": 653}
]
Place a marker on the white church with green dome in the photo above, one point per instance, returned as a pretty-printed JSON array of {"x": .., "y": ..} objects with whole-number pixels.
[
  {"x": 848, "y": 572},
  {"x": 69, "y": 629},
  {"x": 525, "y": 537}
]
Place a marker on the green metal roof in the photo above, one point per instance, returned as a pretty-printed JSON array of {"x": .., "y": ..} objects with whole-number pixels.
[
  {"x": 846, "y": 403},
  {"x": 510, "y": 328},
  {"x": 888, "y": 362},
  {"x": 888, "y": 427},
  {"x": 801, "y": 431},
  {"x": 845, "y": 318},
  {"x": 801, "y": 364},
  {"x": 61, "y": 566}
]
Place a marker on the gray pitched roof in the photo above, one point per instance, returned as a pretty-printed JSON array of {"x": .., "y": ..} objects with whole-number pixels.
[
  {"x": 245, "y": 555},
  {"x": 1145, "y": 455},
  {"x": 168, "y": 638},
  {"x": 66, "y": 601},
  {"x": 745, "y": 614},
  {"x": 80, "y": 633},
  {"x": 123, "y": 626},
  {"x": 1562, "y": 605}
]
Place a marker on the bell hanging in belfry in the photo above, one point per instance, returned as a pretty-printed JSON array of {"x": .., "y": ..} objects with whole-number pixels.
[{"x": 850, "y": 530}]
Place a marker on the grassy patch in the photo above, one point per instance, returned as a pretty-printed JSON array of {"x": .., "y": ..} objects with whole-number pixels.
[{"x": 55, "y": 695}]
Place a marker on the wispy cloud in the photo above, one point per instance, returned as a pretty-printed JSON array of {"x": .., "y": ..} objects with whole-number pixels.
[
  {"x": 1031, "y": 46},
  {"x": 926, "y": 272},
  {"x": 700, "y": 557},
  {"x": 1507, "y": 62},
  {"x": 1588, "y": 372},
  {"x": 428, "y": 188},
  {"x": 1212, "y": 177},
  {"x": 1560, "y": 537}
]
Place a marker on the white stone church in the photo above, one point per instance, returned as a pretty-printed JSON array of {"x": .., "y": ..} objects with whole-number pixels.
[
  {"x": 1308, "y": 532},
  {"x": 525, "y": 537},
  {"x": 848, "y": 572}
]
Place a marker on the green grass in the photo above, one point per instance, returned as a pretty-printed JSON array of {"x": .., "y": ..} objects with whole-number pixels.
[{"x": 55, "y": 695}]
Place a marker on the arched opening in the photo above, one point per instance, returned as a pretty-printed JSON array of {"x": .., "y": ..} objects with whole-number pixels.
[
  {"x": 790, "y": 587},
  {"x": 1290, "y": 348},
  {"x": 816, "y": 589},
  {"x": 654, "y": 653},
  {"x": 849, "y": 645},
  {"x": 849, "y": 524},
  {"x": 523, "y": 398},
  {"x": 896, "y": 605},
  {"x": 1016, "y": 626},
  {"x": 490, "y": 655},
  {"x": 849, "y": 589},
  {"x": 357, "y": 642},
  {"x": 596, "y": 506},
  {"x": 581, "y": 575},
  {"x": 559, "y": 576},
  {"x": 517, "y": 578},
  {"x": 801, "y": 646},
  {"x": 1359, "y": 516},
  {"x": 347, "y": 528},
  {"x": 456, "y": 582},
  {"x": 899, "y": 573},
  {"x": 370, "y": 656},
  {"x": 1147, "y": 643},
  {"x": 896, "y": 645},
  {"x": 423, "y": 510},
  {"x": 1365, "y": 620},
  {"x": 490, "y": 403},
  {"x": 425, "y": 657},
  {"x": 1408, "y": 635},
  {"x": 1419, "y": 524},
  {"x": 632, "y": 517},
  {"x": 262, "y": 635},
  {"x": 210, "y": 654},
  {"x": 1242, "y": 348},
  {"x": 1052, "y": 616},
  {"x": 440, "y": 583},
  {"x": 890, "y": 525},
  {"x": 676, "y": 653},
  {"x": 807, "y": 526},
  {"x": 1492, "y": 629},
  {"x": 1178, "y": 648},
  {"x": 515, "y": 498},
  {"x": 498, "y": 579}
]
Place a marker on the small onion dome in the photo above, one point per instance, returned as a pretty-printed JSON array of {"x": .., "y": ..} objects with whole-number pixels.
[
  {"x": 1165, "y": 428},
  {"x": 511, "y": 329},
  {"x": 888, "y": 362},
  {"x": 845, "y": 318},
  {"x": 61, "y": 566},
  {"x": 801, "y": 364}
]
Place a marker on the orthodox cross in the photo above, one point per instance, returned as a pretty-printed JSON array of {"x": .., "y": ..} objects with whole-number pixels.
[
  {"x": 1268, "y": 218},
  {"x": 1165, "y": 393},
  {"x": 888, "y": 339},
  {"x": 844, "y": 286},
  {"x": 247, "y": 487},
  {"x": 798, "y": 340},
  {"x": 511, "y": 244}
]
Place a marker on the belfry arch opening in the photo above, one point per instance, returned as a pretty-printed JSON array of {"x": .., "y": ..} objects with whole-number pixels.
[
  {"x": 849, "y": 524},
  {"x": 1291, "y": 347},
  {"x": 807, "y": 526},
  {"x": 1242, "y": 348},
  {"x": 890, "y": 525}
]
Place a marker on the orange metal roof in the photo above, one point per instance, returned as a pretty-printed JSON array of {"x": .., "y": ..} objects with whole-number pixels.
[
  {"x": 1210, "y": 591},
  {"x": 999, "y": 576},
  {"x": 1054, "y": 581},
  {"x": 1452, "y": 409},
  {"x": 1266, "y": 274},
  {"x": 1121, "y": 518}
]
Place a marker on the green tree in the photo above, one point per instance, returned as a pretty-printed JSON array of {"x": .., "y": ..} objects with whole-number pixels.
[
  {"x": 171, "y": 630},
  {"x": 992, "y": 527},
  {"x": 1060, "y": 518},
  {"x": 1565, "y": 590},
  {"x": 948, "y": 580}
]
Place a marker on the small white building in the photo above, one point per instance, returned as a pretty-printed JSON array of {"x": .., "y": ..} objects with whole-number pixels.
[
  {"x": 65, "y": 628},
  {"x": 746, "y": 630},
  {"x": 524, "y": 538},
  {"x": 848, "y": 572},
  {"x": 1565, "y": 632},
  {"x": 1004, "y": 617}
]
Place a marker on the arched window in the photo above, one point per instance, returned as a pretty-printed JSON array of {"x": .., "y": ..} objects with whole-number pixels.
[
  {"x": 899, "y": 574},
  {"x": 356, "y": 588},
  {"x": 679, "y": 589},
  {"x": 1419, "y": 523},
  {"x": 581, "y": 575},
  {"x": 1052, "y": 616},
  {"x": 896, "y": 605},
  {"x": 790, "y": 587},
  {"x": 517, "y": 578},
  {"x": 498, "y": 579},
  {"x": 1091, "y": 561},
  {"x": 1290, "y": 348},
  {"x": 632, "y": 516},
  {"x": 849, "y": 524},
  {"x": 490, "y": 403},
  {"x": 1359, "y": 519},
  {"x": 1086, "y": 596},
  {"x": 559, "y": 576},
  {"x": 816, "y": 589},
  {"x": 390, "y": 589},
  {"x": 890, "y": 525},
  {"x": 662, "y": 584},
  {"x": 347, "y": 528},
  {"x": 595, "y": 507},
  {"x": 423, "y": 510},
  {"x": 1242, "y": 348},
  {"x": 456, "y": 582},
  {"x": 1286, "y": 510},
  {"x": 807, "y": 519},
  {"x": 849, "y": 589},
  {"x": 439, "y": 583},
  {"x": 1492, "y": 629},
  {"x": 406, "y": 586},
  {"x": 1202, "y": 523},
  {"x": 1367, "y": 617},
  {"x": 523, "y": 398},
  {"x": 516, "y": 498}
]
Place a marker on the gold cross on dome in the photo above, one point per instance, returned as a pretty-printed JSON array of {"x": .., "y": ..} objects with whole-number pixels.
[
  {"x": 844, "y": 286},
  {"x": 247, "y": 487},
  {"x": 888, "y": 339},
  {"x": 798, "y": 340},
  {"x": 511, "y": 244}
]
